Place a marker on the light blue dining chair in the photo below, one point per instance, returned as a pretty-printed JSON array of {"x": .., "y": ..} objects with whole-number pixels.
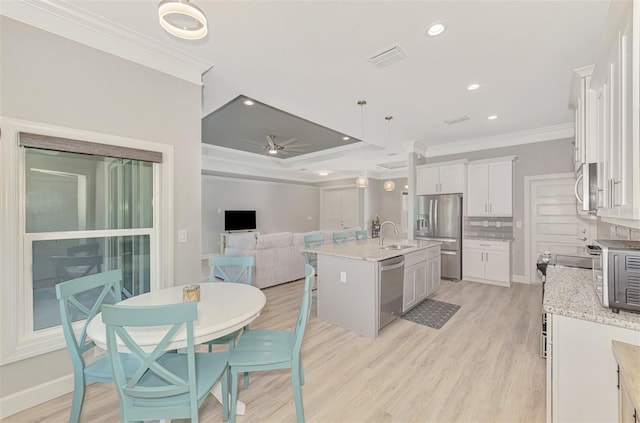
[
  {"x": 79, "y": 299},
  {"x": 259, "y": 350},
  {"x": 361, "y": 235},
  {"x": 165, "y": 385},
  {"x": 312, "y": 241},
  {"x": 338, "y": 237},
  {"x": 237, "y": 269},
  {"x": 230, "y": 269}
]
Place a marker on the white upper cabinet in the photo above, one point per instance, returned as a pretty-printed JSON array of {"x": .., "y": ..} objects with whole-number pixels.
[
  {"x": 489, "y": 188},
  {"x": 583, "y": 101},
  {"x": 440, "y": 178},
  {"x": 616, "y": 86}
]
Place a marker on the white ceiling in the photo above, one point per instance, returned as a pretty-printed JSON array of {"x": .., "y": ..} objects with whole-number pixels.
[{"x": 309, "y": 59}]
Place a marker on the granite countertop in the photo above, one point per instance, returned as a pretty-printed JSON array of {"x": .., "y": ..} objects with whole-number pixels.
[
  {"x": 369, "y": 249},
  {"x": 486, "y": 238},
  {"x": 569, "y": 292}
]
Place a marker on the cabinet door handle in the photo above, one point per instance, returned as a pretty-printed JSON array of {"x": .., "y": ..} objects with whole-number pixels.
[
  {"x": 486, "y": 256},
  {"x": 481, "y": 256},
  {"x": 613, "y": 192},
  {"x": 490, "y": 207},
  {"x": 485, "y": 207},
  {"x": 436, "y": 187}
]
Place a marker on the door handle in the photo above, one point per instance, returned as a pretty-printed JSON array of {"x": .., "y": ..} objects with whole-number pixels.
[{"x": 583, "y": 238}]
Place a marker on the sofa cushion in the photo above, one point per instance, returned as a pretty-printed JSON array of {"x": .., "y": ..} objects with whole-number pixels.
[
  {"x": 280, "y": 239},
  {"x": 246, "y": 241}
]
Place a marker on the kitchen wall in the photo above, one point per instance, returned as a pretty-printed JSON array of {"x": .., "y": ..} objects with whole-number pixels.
[
  {"x": 280, "y": 206},
  {"x": 49, "y": 79},
  {"x": 390, "y": 206},
  {"x": 533, "y": 159}
]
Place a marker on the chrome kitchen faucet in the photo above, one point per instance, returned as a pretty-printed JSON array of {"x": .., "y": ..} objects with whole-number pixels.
[{"x": 395, "y": 230}]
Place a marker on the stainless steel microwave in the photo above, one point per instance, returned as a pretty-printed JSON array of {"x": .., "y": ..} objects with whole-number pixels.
[
  {"x": 617, "y": 275},
  {"x": 586, "y": 188}
]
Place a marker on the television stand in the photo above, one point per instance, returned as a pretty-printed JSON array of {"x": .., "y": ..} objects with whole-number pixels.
[{"x": 224, "y": 235}]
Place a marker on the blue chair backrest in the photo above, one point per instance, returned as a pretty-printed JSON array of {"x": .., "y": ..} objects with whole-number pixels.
[
  {"x": 361, "y": 235},
  {"x": 305, "y": 308},
  {"x": 232, "y": 268},
  {"x": 118, "y": 320},
  {"x": 312, "y": 241},
  {"x": 339, "y": 237},
  {"x": 76, "y": 301}
]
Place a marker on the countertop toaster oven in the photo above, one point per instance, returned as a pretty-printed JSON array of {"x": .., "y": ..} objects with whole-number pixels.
[{"x": 617, "y": 280}]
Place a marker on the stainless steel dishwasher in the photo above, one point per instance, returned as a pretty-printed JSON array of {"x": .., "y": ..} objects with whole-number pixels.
[{"x": 390, "y": 290}]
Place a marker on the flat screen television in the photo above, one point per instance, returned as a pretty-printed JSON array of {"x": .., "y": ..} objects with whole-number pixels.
[{"x": 239, "y": 220}]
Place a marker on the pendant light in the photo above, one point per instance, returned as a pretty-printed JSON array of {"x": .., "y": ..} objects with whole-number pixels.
[
  {"x": 389, "y": 185},
  {"x": 362, "y": 181},
  {"x": 182, "y": 19}
]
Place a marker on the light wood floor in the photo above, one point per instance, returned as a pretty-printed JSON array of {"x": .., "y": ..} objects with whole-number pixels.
[{"x": 482, "y": 366}]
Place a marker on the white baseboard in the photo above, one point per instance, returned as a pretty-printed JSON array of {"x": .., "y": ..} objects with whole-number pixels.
[
  {"x": 519, "y": 279},
  {"x": 30, "y": 397}
]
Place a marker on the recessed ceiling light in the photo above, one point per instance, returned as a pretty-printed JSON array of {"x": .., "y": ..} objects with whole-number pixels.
[
  {"x": 323, "y": 173},
  {"x": 345, "y": 138},
  {"x": 492, "y": 117},
  {"x": 248, "y": 102},
  {"x": 473, "y": 87},
  {"x": 436, "y": 29}
]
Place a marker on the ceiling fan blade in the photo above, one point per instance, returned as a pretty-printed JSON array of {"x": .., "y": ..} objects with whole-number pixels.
[
  {"x": 289, "y": 141},
  {"x": 271, "y": 141},
  {"x": 252, "y": 142}
]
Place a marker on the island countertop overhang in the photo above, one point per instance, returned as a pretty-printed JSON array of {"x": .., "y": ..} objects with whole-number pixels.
[{"x": 369, "y": 249}]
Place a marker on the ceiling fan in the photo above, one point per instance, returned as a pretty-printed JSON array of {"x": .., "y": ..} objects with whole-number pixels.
[{"x": 282, "y": 147}]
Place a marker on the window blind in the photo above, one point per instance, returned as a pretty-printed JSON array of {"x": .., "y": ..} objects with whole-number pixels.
[{"x": 46, "y": 142}]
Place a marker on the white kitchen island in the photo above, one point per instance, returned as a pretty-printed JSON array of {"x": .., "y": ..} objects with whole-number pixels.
[{"x": 348, "y": 293}]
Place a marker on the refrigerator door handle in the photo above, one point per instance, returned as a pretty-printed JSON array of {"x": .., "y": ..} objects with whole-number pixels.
[
  {"x": 435, "y": 210},
  {"x": 430, "y": 228}
]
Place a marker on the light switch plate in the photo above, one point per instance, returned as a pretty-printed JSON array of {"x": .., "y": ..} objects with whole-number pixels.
[
  {"x": 343, "y": 277},
  {"x": 182, "y": 235}
]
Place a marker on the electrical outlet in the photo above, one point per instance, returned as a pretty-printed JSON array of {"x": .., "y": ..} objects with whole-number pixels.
[
  {"x": 343, "y": 277},
  {"x": 518, "y": 224}
]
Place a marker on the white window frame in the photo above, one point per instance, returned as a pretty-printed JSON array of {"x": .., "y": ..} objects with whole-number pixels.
[{"x": 18, "y": 339}]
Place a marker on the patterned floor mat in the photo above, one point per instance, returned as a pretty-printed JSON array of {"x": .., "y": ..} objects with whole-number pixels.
[{"x": 431, "y": 313}]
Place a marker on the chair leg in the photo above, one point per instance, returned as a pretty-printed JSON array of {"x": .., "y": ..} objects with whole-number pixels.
[
  {"x": 225, "y": 395},
  {"x": 297, "y": 393},
  {"x": 301, "y": 372},
  {"x": 78, "y": 398},
  {"x": 234, "y": 395},
  {"x": 246, "y": 380}
]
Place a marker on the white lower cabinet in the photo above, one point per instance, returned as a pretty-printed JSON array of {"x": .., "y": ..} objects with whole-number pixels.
[
  {"x": 421, "y": 276},
  {"x": 582, "y": 376},
  {"x": 486, "y": 261}
]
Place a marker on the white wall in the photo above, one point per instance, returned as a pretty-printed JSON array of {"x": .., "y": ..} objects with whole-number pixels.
[
  {"x": 49, "y": 79},
  {"x": 279, "y": 206}
]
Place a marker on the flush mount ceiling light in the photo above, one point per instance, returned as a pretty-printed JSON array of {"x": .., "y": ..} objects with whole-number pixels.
[
  {"x": 248, "y": 103},
  {"x": 389, "y": 185},
  {"x": 362, "y": 181},
  {"x": 436, "y": 29},
  {"x": 323, "y": 173},
  {"x": 182, "y": 19},
  {"x": 492, "y": 117},
  {"x": 473, "y": 87}
]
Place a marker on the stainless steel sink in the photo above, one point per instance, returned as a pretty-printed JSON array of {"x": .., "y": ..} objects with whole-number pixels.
[{"x": 396, "y": 247}]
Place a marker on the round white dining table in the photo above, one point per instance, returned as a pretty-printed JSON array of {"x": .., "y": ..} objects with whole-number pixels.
[{"x": 223, "y": 308}]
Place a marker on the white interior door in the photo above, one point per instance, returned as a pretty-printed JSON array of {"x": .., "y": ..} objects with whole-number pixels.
[
  {"x": 554, "y": 224},
  {"x": 339, "y": 208}
]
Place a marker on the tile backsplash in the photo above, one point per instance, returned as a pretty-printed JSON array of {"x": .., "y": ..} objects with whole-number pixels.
[
  {"x": 609, "y": 231},
  {"x": 488, "y": 227}
]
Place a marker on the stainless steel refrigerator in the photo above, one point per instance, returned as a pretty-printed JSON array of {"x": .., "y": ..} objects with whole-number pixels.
[{"x": 439, "y": 218}]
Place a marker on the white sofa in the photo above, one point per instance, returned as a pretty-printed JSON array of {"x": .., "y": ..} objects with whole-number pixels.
[{"x": 278, "y": 256}]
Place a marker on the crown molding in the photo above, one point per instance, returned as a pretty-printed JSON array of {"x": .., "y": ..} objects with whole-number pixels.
[
  {"x": 63, "y": 18},
  {"x": 549, "y": 133}
]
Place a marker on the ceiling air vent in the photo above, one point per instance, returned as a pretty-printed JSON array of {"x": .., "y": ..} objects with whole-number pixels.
[
  {"x": 387, "y": 57},
  {"x": 456, "y": 120}
]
